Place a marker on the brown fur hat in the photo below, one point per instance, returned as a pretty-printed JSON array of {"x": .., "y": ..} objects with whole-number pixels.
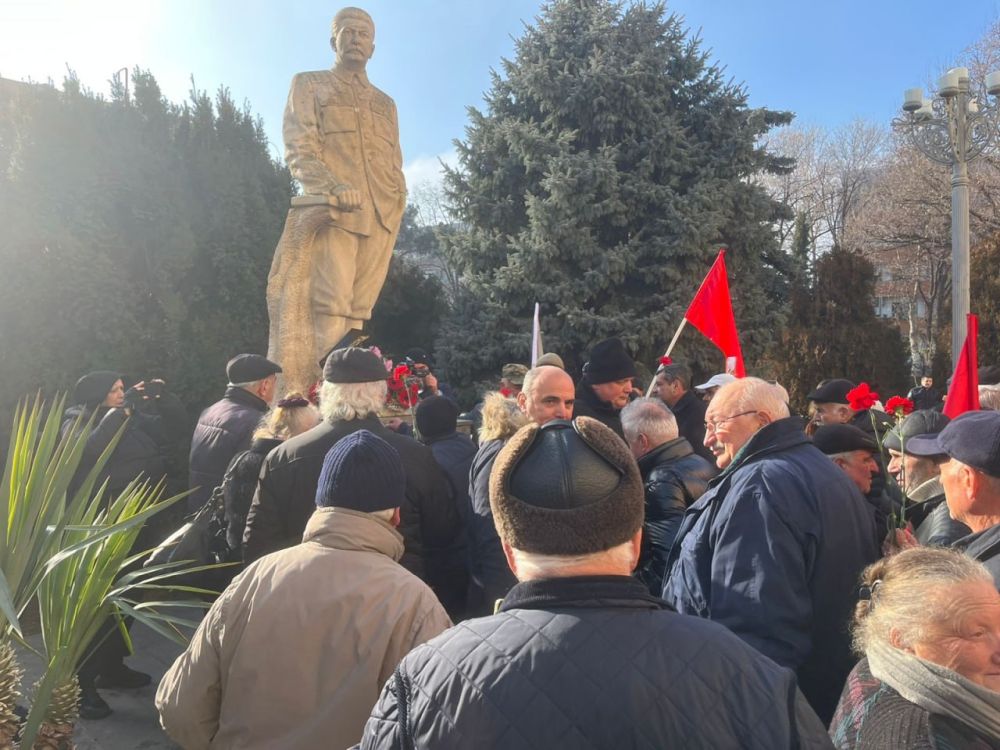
[{"x": 566, "y": 488}]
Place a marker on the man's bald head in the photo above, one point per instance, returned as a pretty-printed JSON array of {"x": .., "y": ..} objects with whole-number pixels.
[{"x": 548, "y": 393}]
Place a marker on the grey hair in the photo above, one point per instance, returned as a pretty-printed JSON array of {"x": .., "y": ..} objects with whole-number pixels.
[
  {"x": 649, "y": 417},
  {"x": 532, "y": 565},
  {"x": 759, "y": 395},
  {"x": 346, "y": 401},
  {"x": 250, "y": 385},
  {"x": 989, "y": 397},
  {"x": 904, "y": 596}
]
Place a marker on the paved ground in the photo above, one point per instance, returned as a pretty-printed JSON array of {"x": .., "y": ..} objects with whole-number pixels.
[{"x": 134, "y": 725}]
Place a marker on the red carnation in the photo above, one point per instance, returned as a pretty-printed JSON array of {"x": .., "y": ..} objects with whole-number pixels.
[
  {"x": 666, "y": 361},
  {"x": 862, "y": 397},
  {"x": 899, "y": 406}
]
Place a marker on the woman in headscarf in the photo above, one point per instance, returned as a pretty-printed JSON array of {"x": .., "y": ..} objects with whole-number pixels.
[{"x": 928, "y": 625}]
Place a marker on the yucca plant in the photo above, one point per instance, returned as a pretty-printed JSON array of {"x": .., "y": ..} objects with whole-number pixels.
[
  {"x": 67, "y": 547},
  {"x": 34, "y": 496}
]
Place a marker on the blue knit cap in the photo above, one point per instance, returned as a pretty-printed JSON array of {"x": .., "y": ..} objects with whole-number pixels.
[{"x": 361, "y": 472}]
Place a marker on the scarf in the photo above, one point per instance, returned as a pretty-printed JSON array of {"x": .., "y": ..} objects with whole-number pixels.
[{"x": 937, "y": 689}]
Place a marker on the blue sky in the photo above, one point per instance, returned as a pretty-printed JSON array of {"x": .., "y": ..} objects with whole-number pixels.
[{"x": 827, "y": 61}]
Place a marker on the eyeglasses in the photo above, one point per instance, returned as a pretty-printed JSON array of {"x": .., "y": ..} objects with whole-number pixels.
[{"x": 714, "y": 426}]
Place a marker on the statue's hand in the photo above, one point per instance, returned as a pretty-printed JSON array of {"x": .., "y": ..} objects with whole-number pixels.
[{"x": 348, "y": 198}]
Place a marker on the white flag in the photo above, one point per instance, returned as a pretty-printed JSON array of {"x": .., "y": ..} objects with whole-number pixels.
[{"x": 536, "y": 339}]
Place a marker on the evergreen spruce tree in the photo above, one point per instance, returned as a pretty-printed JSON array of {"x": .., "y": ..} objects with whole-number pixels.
[{"x": 612, "y": 160}]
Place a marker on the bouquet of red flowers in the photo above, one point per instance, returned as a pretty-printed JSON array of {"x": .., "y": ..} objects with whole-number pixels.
[{"x": 403, "y": 388}]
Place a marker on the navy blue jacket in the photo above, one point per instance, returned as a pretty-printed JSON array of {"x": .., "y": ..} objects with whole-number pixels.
[
  {"x": 491, "y": 577},
  {"x": 773, "y": 551},
  {"x": 589, "y": 663},
  {"x": 224, "y": 429}
]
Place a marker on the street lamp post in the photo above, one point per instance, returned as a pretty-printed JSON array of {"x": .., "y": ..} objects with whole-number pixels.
[{"x": 953, "y": 129}]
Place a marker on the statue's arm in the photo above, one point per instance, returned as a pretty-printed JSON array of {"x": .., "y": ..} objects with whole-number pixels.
[{"x": 303, "y": 142}]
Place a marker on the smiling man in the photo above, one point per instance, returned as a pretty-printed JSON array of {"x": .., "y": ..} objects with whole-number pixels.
[{"x": 774, "y": 547}]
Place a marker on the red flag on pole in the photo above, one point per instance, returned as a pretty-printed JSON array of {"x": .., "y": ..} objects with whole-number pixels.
[
  {"x": 711, "y": 312},
  {"x": 963, "y": 395}
]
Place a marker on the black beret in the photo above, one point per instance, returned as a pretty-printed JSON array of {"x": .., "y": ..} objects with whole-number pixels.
[
  {"x": 923, "y": 422},
  {"x": 832, "y": 392},
  {"x": 353, "y": 365},
  {"x": 566, "y": 488},
  {"x": 972, "y": 438},
  {"x": 608, "y": 362},
  {"x": 246, "y": 368},
  {"x": 843, "y": 438}
]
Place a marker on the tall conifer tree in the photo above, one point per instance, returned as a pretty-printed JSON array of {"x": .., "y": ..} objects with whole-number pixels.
[{"x": 612, "y": 159}]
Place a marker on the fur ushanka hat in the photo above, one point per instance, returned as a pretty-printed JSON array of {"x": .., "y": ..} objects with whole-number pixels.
[{"x": 566, "y": 488}]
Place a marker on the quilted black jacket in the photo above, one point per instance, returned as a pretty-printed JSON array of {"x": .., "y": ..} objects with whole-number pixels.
[{"x": 589, "y": 663}]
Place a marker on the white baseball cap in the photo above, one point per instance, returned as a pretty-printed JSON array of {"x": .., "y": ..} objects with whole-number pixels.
[{"x": 715, "y": 381}]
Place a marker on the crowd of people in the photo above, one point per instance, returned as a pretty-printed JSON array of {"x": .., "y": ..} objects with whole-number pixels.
[{"x": 573, "y": 564}]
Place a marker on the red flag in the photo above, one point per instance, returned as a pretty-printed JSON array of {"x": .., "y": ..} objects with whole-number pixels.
[
  {"x": 711, "y": 312},
  {"x": 963, "y": 395}
]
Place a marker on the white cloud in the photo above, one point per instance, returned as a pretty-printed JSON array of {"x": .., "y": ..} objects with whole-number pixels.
[{"x": 425, "y": 172}]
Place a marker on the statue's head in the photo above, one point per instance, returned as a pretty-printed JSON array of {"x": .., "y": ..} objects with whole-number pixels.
[{"x": 352, "y": 36}]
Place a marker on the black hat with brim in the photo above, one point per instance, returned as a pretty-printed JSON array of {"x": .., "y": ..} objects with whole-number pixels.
[
  {"x": 832, "y": 392},
  {"x": 353, "y": 365},
  {"x": 843, "y": 438}
]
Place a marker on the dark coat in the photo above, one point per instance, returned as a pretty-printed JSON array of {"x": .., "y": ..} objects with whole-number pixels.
[
  {"x": 673, "y": 477},
  {"x": 589, "y": 663},
  {"x": 491, "y": 576},
  {"x": 925, "y": 398},
  {"x": 689, "y": 411},
  {"x": 286, "y": 497},
  {"x": 224, "y": 429},
  {"x": 140, "y": 450},
  {"x": 238, "y": 487},
  {"x": 985, "y": 547},
  {"x": 773, "y": 551},
  {"x": 873, "y": 716},
  {"x": 454, "y": 454},
  {"x": 589, "y": 405},
  {"x": 932, "y": 523}
]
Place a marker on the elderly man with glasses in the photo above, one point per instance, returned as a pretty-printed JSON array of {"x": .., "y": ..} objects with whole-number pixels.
[{"x": 773, "y": 548}]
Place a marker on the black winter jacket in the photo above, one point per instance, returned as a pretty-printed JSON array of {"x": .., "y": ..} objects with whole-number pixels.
[
  {"x": 589, "y": 663},
  {"x": 286, "y": 497},
  {"x": 454, "y": 454},
  {"x": 985, "y": 547},
  {"x": 589, "y": 405},
  {"x": 140, "y": 449},
  {"x": 224, "y": 429},
  {"x": 491, "y": 576},
  {"x": 689, "y": 411},
  {"x": 928, "y": 513},
  {"x": 238, "y": 487},
  {"x": 673, "y": 477}
]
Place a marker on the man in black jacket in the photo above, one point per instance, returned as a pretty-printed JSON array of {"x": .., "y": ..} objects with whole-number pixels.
[
  {"x": 226, "y": 427},
  {"x": 920, "y": 478},
  {"x": 673, "y": 476},
  {"x": 606, "y": 384},
  {"x": 580, "y": 654},
  {"x": 673, "y": 387},
  {"x": 352, "y": 394}
]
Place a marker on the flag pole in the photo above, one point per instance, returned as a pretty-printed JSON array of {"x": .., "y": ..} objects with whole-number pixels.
[{"x": 673, "y": 342}]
